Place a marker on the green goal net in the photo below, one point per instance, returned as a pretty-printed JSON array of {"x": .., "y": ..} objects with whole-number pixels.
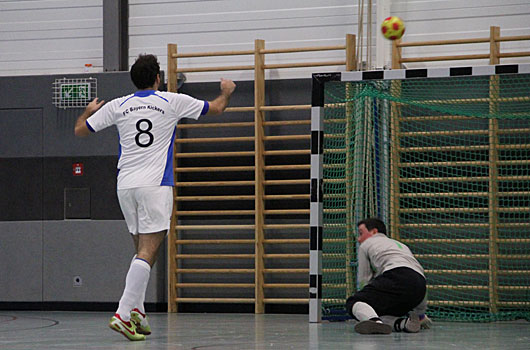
[{"x": 445, "y": 162}]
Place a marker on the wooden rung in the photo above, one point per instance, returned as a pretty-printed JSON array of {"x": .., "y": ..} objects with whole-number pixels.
[
  {"x": 334, "y": 300},
  {"x": 335, "y": 240},
  {"x": 214, "y": 227},
  {"x": 514, "y": 288},
  {"x": 215, "y": 198},
  {"x": 434, "y": 118},
  {"x": 514, "y": 54},
  {"x": 288, "y": 167},
  {"x": 443, "y": 164},
  {"x": 514, "y": 304},
  {"x": 462, "y": 240},
  {"x": 286, "y": 241},
  {"x": 214, "y": 285},
  {"x": 302, "y": 49},
  {"x": 514, "y": 147},
  {"x": 513, "y": 240},
  {"x": 334, "y": 285},
  {"x": 443, "y": 194},
  {"x": 214, "y": 169},
  {"x": 514, "y": 256},
  {"x": 286, "y": 285},
  {"x": 214, "y": 241},
  {"x": 219, "y": 271},
  {"x": 286, "y": 212},
  {"x": 513, "y": 38},
  {"x": 285, "y": 196},
  {"x": 455, "y": 287},
  {"x": 217, "y": 125},
  {"x": 216, "y": 139},
  {"x": 452, "y": 256},
  {"x": 444, "y": 58},
  {"x": 285, "y": 226},
  {"x": 445, "y": 210},
  {"x": 514, "y": 210},
  {"x": 286, "y": 256},
  {"x": 285, "y": 271},
  {"x": 285, "y": 108},
  {"x": 444, "y": 179},
  {"x": 443, "y": 133},
  {"x": 304, "y": 64},
  {"x": 214, "y": 212},
  {"x": 458, "y": 303},
  {"x": 240, "y": 109},
  {"x": 288, "y": 122},
  {"x": 288, "y": 152},
  {"x": 285, "y": 301},
  {"x": 286, "y": 137},
  {"x": 336, "y": 211},
  {"x": 216, "y": 300},
  {"x": 444, "y": 148},
  {"x": 513, "y": 272},
  {"x": 510, "y": 131},
  {"x": 513, "y": 194},
  {"x": 214, "y": 183},
  {"x": 214, "y": 256},
  {"x": 215, "y": 154},
  {"x": 214, "y": 69},
  {"x": 287, "y": 182},
  {"x": 457, "y": 272},
  {"x": 443, "y": 225},
  {"x": 213, "y": 53}
]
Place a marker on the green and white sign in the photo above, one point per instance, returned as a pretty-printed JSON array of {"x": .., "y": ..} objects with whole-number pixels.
[{"x": 75, "y": 92}]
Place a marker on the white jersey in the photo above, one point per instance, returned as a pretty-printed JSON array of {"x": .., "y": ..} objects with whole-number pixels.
[
  {"x": 380, "y": 253},
  {"x": 146, "y": 122}
]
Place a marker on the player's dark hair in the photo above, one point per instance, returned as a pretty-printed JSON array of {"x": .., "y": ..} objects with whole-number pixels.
[
  {"x": 372, "y": 223},
  {"x": 144, "y": 71}
]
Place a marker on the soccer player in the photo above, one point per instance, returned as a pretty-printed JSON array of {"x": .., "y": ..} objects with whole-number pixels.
[
  {"x": 146, "y": 123},
  {"x": 392, "y": 284}
]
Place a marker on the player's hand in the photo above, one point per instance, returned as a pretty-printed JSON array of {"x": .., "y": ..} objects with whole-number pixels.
[
  {"x": 425, "y": 322},
  {"x": 227, "y": 86},
  {"x": 94, "y": 105}
]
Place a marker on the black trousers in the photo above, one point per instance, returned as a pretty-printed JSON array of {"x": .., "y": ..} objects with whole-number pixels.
[{"x": 395, "y": 292}]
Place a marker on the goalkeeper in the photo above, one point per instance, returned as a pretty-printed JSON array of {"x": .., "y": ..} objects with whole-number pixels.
[{"x": 392, "y": 284}]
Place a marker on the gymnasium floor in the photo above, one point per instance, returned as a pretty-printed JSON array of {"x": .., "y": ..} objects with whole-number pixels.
[{"x": 88, "y": 330}]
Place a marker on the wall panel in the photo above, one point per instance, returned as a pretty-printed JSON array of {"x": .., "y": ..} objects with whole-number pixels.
[{"x": 44, "y": 37}]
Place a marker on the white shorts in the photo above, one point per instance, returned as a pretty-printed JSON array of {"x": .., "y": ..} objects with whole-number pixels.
[{"x": 147, "y": 209}]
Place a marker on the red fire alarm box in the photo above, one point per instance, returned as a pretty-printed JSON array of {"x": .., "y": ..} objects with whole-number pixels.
[{"x": 77, "y": 169}]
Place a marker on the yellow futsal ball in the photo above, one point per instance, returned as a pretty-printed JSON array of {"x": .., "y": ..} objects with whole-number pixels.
[{"x": 393, "y": 28}]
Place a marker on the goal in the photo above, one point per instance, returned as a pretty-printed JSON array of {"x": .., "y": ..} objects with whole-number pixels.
[{"x": 441, "y": 155}]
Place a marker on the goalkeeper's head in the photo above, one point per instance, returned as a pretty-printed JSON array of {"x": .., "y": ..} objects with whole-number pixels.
[{"x": 372, "y": 223}]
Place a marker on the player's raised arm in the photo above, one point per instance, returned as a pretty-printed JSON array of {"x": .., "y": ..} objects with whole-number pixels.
[
  {"x": 218, "y": 105},
  {"x": 81, "y": 129}
]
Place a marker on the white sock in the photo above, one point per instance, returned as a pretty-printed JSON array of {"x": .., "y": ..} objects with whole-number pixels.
[
  {"x": 140, "y": 305},
  {"x": 363, "y": 311},
  {"x": 135, "y": 286}
]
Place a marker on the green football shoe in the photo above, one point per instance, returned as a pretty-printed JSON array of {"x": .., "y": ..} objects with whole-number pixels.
[
  {"x": 140, "y": 321},
  {"x": 128, "y": 329}
]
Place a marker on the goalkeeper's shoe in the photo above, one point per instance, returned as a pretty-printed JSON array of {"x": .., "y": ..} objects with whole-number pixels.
[
  {"x": 409, "y": 324},
  {"x": 425, "y": 322},
  {"x": 127, "y": 328},
  {"x": 372, "y": 327},
  {"x": 140, "y": 321}
]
